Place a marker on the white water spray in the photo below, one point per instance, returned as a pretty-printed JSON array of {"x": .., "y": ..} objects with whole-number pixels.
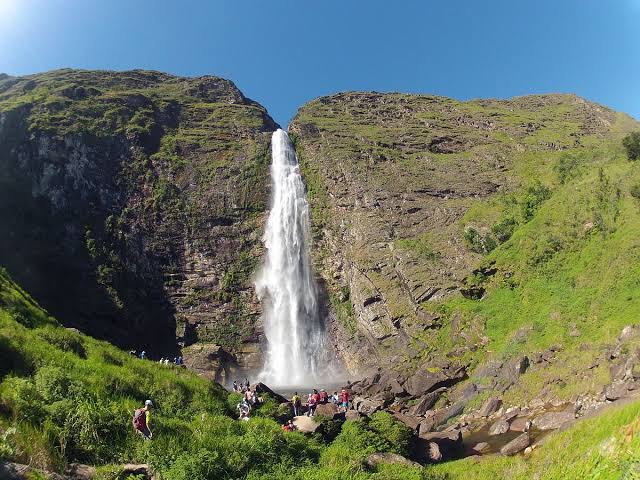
[{"x": 297, "y": 351}]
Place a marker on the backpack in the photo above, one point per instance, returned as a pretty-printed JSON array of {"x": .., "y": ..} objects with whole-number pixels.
[{"x": 140, "y": 419}]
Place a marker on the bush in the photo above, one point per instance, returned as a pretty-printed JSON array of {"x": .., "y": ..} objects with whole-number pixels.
[
  {"x": 66, "y": 340},
  {"x": 533, "y": 198},
  {"x": 54, "y": 384},
  {"x": 635, "y": 191},
  {"x": 397, "y": 434},
  {"x": 504, "y": 229},
  {"x": 631, "y": 144},
  {"x": 566, "y": 167},
  {"x": 476, "y": 242},
  {"x": 22, "y": 399}
]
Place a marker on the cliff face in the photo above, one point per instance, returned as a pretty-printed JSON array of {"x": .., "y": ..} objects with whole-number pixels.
[
  {"x": 414, "y": 197},
  {"x": 132, "y": 205}
]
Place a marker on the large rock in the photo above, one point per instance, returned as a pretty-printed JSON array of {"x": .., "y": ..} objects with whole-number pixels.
[
  {"x": 260, "y": 388},
  {"x": 426, "y": 402},
  {"x": 449, "y": 445},
  {"x": 516, "y": 445},
  {"x": 409, "y": 420},
  {"x": 17, "y": 471},
  {"x": 305, "y": 424},
  {"x": 328, "y": 410},
  {"x": 553, "y": 420},
  {"x": 425, "y": 381},
  {"x": 376, "y": 459},
  {"x": 368, "y": 406},
  {"x": 491, "y": 405},
  {"x": 499, "y": 427}
]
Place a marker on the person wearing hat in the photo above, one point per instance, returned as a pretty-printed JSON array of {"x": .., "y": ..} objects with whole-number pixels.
[{"x": 142, "y": 420}]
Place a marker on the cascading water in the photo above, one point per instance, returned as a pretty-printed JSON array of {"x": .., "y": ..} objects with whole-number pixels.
[{"x": 297, "y": 348}]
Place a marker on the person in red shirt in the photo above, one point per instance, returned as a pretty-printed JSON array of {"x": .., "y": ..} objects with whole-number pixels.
[
  {"x": 323, "y": 397},
  {"x": 344, "y": 399},
  {"x": 312, "y": 402}
]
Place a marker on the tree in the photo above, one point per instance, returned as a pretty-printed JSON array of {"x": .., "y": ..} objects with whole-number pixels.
[{"x": 632, "y": 144}]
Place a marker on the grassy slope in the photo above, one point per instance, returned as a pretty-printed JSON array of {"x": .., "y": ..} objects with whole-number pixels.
[{"x": 65, "y": 397}]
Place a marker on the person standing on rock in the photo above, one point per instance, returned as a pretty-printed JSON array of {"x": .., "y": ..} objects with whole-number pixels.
[
  {"x": 323, "y": 396},
  {"x": 235, "y": 386},
  {"x": 311, "y": 404},
  {"x": 142, "y": 420},
  {"x": 297, "y": 404},
  {"x": 344, "y": 400}
]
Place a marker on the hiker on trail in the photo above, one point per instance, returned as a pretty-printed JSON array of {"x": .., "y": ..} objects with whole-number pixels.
[
  {"x": 248, "y": 395},
  {"x": 297, "y": 404},
  {"x": 246, "y": 383},
  {"x": 254, "y": 397},
  {"x": 142, "y": 355},
  {"x": 335, "y": 399},
  {"x": 235, "y": 386},
  {"x": 180, "y": 362},
  {"x": 323, "y": 396},
  {"x": 344, "y": 399},
  {"x": 141, "y": 420},
  {"x": 311, "y": 404}
]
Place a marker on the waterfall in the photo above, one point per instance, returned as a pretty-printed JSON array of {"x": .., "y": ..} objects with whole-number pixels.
[{"x": 297, "y": 349}]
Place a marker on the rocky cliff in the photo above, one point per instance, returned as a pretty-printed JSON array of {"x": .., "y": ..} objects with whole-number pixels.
[
  {"x": 132, "y": 205},
  {"x": 415, "y": 198}
]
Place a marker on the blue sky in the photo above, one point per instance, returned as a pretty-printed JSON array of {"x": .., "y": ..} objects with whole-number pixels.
[{"x": 283, "y": 53}]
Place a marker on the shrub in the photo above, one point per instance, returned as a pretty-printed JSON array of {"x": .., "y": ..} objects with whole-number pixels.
[
  {"x": 631, "y": 144},
  {"x": 504, "y": 229},
  {"x": 66, "y": 340},
  {"x": 397, "y": 434},
  {"x": 533, "y": 198},
  {"x": 54, "y": 384},
  {"x": 477, "y": 242},
  {"x": 22, "y": 398},
  {"x": 566, "y": 167},
  {"x": 635, "y": 191}
]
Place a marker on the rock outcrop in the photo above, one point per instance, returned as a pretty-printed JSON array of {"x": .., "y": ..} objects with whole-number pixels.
[{"x": 132, "y": 206}]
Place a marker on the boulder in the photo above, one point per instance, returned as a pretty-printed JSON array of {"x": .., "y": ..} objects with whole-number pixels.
[
  {"x": 516, "y": 445},
  {"x": 409, "y": 420},
  {"x": 376, "y": 459},
  {"x": 427, "y": 424},
  {"x": 79, "y": 471},
  {"x": 426, "y": 402},
  {"x": 449, "y": 445},
  {"x": 491, "y": 405},
  {"x": 553, "y": 420},
  {"x": 443, "y": 415},
  {"x": 520, "y": 424},
  {"x": 425, "y": 381},
  {"x": 327, "y": 410},
  {"x": 367, "y": 406},
  {"x": 499, "y": 427},
  {"x": 305, "y": 424},
  {"x": 260, "y": 388}
]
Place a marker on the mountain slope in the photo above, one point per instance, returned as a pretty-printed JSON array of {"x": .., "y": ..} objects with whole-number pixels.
[
  {"x": 131, "y": 205},
  {"x": 467, "y": 234}
]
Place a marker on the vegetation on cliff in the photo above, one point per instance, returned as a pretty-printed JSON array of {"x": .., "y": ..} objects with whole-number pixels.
[{"x": 131, "y": 202}]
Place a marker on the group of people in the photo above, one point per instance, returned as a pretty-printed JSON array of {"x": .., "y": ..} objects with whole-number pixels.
[
  {"x": 316, "y": 398},
  {"x": 163, "y": 361},
  {"x": 249, "y": 398}
]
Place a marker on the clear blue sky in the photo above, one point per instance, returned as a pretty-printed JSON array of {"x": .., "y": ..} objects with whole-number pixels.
[{"x": 284, "y": 53}]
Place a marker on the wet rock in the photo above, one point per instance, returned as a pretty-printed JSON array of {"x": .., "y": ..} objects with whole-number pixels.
[
  {"x": 376, "y": 459},
  {"x": 499, "y": 427},
  {"x": 482, "y": 447},
  {"x": 553, "y": 420},
  {"x": 516, "y": 445},
  {"x": 491, "y": 405}
]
